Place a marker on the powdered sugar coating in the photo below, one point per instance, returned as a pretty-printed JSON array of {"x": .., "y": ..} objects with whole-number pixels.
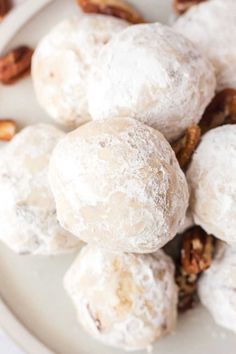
[
  {"x": 150, "y": 73},
  {"x": 62, "y": 61},
  {"x": 217, "y": 286},
  {"x": 212, "y": 182},
  {"x": 211, "y": 26},
  {"x": 27, "y": 208},
  {"x": 123, "y": 300},
  {"x": 188, "y": 222},
  {"x": 117, "y": 183}
]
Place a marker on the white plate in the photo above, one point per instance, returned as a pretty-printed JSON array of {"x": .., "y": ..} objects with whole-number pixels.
[{"x": 41, "y": 314}]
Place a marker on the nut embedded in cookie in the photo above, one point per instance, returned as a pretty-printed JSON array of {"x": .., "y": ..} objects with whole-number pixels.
[
  {"x": 116, "y": 8},
  {"x": 15, "y": 64}
]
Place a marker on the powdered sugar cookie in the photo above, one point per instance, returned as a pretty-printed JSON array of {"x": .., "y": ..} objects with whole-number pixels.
[
  {"x": 117, "y": 183},
  {"x": 188, "y": 222},
  {"x": 217, "y": 286},
  {"x": 150, "y": 73},
  {"x": 212, "y": 182},
  {"x": 123, "y": 300},
  {"x": 27, "y": 208},
  {"x": 211, "y": 26},
  {"x": 62, "y": 61}
]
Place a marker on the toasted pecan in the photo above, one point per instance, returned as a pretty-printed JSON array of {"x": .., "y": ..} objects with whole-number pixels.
[
  {"x": 181, "y": 6},
  {"x": 196, "y": 256},
  {"x": 4, "y": 8},
  {"x": 185, "y": 146},
  {"x": 187, "y": 295},
  {"x": 222, "y": 110},
  {"x": 7, "y": 129},
  {"x": 197, "y": 250},
  {"x": 15, "y": 64},
  {"x": 116, "y": 8}
]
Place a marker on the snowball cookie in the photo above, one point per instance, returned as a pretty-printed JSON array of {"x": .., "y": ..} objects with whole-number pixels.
[
  {"x": 27, "y": 209},
  {"x": 212, "y": 27},
  {"x": 212, "y": 181},
  {"x": 62, "y": 61},
  {"x": 152, "y": 74},
  {"x": 124, "y": 300},
  {"x": 217, "y": 286},
  {"x": 117, "y": 183}
]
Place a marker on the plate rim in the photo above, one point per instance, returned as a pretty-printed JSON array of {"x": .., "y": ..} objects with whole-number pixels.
[
  {"x": 17, "y": 18},
  {"x": 23, "y": 338},
  {"x": 9, "y": 323}
]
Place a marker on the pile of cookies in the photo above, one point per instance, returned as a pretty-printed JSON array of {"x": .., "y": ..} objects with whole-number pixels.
[{"x": 151, "y": 152}]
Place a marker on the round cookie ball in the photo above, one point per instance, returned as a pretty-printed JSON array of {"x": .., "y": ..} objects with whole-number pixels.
[
  {"x": 62, "y": 61},
  {"x": 117, "y": 183},
  {"x": 27, "y": 209},
  {"x": 150, "y": 73},
  {"x": 212, "y": 182},
  {"x": 124, "y": 300},
  {"x": 217, "y": 285},
  {"x": 211, "y": 26}
]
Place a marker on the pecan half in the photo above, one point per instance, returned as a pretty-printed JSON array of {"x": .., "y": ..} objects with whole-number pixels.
[
  {"x": 4, "y": 8},
  {"x": 116, "y": 8},
  {"x": 7, "y": 129},
  {"x": 197, "y": 250},
  {"x": 222, "y": 110},
  {"x": 196, "y": 255},
  {"x": 181, "y": 6},
  {"x": 185, "y": 146},
  {"x": 15, "y": 64}
]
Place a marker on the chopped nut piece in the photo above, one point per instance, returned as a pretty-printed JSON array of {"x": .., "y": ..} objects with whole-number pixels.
[
  {"x": 185, "y": 146},
  {"x": 186, "y": 281},
  {"x": 222, "y": 110},
  {"x": 187, "y": 290},
  {"x": 197, "y": 251},
  {"x": 14, "y": 64},
  {"x": 181, "y": 6},
  {"x": 116, "y": 8},
  {"x": 4, "y": 8},
  {"x": 195, "y": 256},
  {"x": 7, "y": 129}
]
